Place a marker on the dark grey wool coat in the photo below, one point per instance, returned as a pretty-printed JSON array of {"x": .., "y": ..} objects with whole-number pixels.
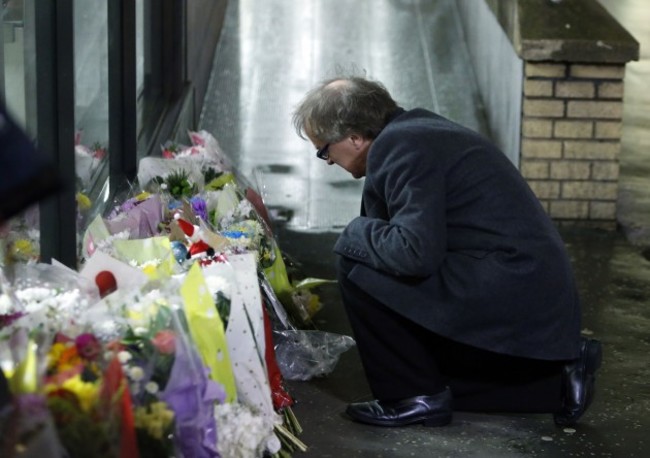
[{"x": 451, "y": 236}]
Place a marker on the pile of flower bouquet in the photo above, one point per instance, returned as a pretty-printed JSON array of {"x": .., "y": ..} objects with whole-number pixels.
[{"x": 174, "y": 336}]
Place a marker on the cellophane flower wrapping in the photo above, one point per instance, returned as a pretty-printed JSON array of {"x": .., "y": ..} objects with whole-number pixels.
[
  {"x": 87, "y": 396},
  {"x": 88, "y": 158},
  {"x": 140, "y": 215},
  {"x": 173, "y": 395},
  {"x": 153, "y": 255},
  {"x": 97, "y": 237},
  {"x": 51, "y": 298},
  {"x": 20, "y": 238}
]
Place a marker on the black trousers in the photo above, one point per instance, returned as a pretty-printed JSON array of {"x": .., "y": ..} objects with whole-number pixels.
[{"x": 402, "y": 359}]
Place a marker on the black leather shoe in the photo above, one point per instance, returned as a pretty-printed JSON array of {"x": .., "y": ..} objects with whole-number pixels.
[
  {"x": 579, "y": 378},
  {"x": 429, "y": 410}
]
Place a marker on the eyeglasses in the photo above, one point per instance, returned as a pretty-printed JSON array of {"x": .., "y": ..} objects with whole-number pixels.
[{"x": 324, "y": 152}]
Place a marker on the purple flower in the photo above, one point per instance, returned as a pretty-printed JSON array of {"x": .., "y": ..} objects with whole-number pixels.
[
  {"x": 199, "y": 207},
  {"x": 6, "y": 320}
]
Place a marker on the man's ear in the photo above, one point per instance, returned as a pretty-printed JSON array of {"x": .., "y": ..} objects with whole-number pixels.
[{"x": 359, "y": 142}]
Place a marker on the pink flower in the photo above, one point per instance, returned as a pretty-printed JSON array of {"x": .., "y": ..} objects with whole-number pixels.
[
  {"x": 165, "y": 341},
  {"x": 167, "y": 154},
  {"x": 197, "y": 139},
  {"x": 88, "y": 346}
]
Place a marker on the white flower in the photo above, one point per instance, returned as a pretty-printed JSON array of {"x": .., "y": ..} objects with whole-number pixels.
[
  {"x": 124, "y": 357},
  {"x": 151, "y": 387},
  {"x": 244, "y": 208},
  {"x": 106, "y": 245},
  {"x": 106, "y": 328},
  {"x": 242, "y": 433},
  {"x": 136, "y": 373}
]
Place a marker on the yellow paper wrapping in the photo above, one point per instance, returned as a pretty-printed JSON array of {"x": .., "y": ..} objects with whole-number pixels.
[
  {"x": 24, "y": 378},
  {"x": 207, "y": 331},
  {"x": 153, "y": 255},
  {"x": 278, "y": 277}
]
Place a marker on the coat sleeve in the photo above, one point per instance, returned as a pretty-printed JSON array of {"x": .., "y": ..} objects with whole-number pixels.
[{"x": 404, "y": 230}]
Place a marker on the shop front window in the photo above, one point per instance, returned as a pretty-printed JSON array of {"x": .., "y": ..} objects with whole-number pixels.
[
  {"x": 149, "y": 72},
  {"x": 92, "y": 149},
  {"x": 19, "y": 236}
]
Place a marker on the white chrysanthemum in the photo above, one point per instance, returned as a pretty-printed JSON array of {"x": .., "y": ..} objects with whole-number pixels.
[
  {"x": 124, "y": 357},
  {"x": 106, "y": 245},
  {"x": 136, "y": 373},
  {"x": 38, "y": 298},
  {"x": 241, "y": 433},
  {"x": 151, "y": 387},
  {"x": 106, "y": 328}
]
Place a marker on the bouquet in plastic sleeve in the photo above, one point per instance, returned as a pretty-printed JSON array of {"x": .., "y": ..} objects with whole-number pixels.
[
  {"x": 87, "y": 160},
  {"x": 97, "y": 237},
  {"x": 140, "y": 215},
  {"x": 203, "y": 146},
  {"x": 152, "y": 255},
  {"x": 49, "y": 298},
  {"x": 27, "y": 427},
  {"x": 20, "y": 238},
  {"x": 88, "y": 397},
  {"x": 152, "y": 356},
  {"x": 173, "y": 395}
]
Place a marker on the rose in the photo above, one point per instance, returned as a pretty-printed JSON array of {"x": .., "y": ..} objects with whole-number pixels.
[{"x": 165, "y": 341}]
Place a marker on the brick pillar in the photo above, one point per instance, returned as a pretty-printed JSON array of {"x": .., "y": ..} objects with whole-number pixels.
[{"x": 571, "y": 137}]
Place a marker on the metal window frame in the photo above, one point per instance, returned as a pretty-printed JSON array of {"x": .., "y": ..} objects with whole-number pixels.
[
  {"x": 55, "y": 118},
  {"x": 55, "y": 104}
]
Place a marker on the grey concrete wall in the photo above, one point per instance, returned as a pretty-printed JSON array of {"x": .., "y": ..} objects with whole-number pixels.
[{"x": 499, "y": 74}]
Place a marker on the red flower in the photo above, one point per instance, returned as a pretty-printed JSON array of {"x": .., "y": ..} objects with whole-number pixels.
[{"x": 165, "y": 341}]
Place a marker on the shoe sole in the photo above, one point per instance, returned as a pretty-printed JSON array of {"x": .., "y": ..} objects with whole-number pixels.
[{"x": 432, "y": 421}]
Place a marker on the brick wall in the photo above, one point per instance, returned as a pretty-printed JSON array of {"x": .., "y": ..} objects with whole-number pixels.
[{"x": 571, "y": 137}]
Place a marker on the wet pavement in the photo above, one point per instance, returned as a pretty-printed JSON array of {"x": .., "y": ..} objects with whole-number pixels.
[{"x": 271, "y": 52}]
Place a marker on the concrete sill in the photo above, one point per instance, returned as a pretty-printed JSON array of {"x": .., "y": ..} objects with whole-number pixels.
[{"x": 565, "y": 31}]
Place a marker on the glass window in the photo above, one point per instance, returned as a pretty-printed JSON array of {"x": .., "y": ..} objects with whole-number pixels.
[
  {"x": 149, "y": 72},
  {"x": 19, "y": 237},
  {"x": 13, "y": 59},
  {"x": 91, "y": 107}
]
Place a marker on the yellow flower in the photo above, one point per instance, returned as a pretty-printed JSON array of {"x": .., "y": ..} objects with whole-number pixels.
[
  {"x": 87, "y": 393},
  {"x": 155, "y": 418},
  {"x": 22, "y": 248},
  {"x": 149, "y": 270},
  {"x": 142, "y": 196},
  {"x": 55, "y": 353},
  {"x": 83, "y": 201}
]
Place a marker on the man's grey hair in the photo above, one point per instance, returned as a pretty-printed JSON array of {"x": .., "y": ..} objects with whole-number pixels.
[{"x": 338, "y": 107}]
